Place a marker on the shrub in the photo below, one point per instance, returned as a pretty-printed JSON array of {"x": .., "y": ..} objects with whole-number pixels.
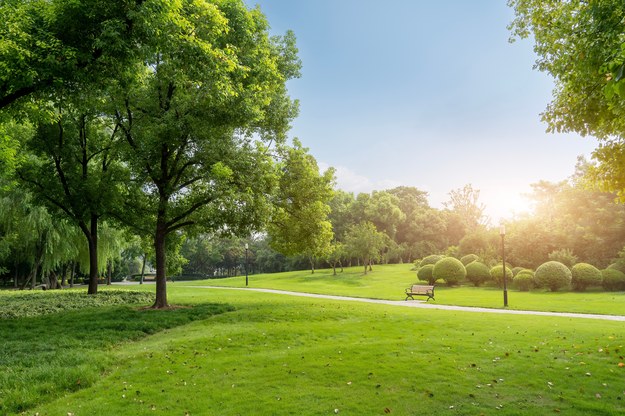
[
  {"x": 432, "y": 259},
  {"x": 497, "y": 274},
  {"x": 516, "y": 270},
  {"x": 469, "y": 258},
  {"x": 584, "y": 275},
  {"x": 553, "y": 275},
  {"x": 477, "y": 273},
  {"x": 619, "y": 265},
  {"x": 613, "y": 279},
  {"x": 451, "y": 270},
  {"x": 524, "y": 280},
  {"x": 425, "y": 274}
]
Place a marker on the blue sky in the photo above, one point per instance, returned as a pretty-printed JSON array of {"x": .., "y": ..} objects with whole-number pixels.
[{"x": 423, "y": 93}]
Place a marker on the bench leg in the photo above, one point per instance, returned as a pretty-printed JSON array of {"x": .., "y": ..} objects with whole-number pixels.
[{"x": 409, "y": 296}]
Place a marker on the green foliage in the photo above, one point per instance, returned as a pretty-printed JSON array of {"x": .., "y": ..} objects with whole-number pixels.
[
  {"x": 477, "y": 273},
  {"x": 469, "y": 258},
  {"x": 553, "y": 275},
  {"x": 580, "y": 45},
  {"x": 365, "y": 242},
  {"x": 449, "y": 269},
  {"x": 516, "y": 270},
  {"x": 425, "y": 273},
  {"x": 431, "y": 259},
  {"x": 613, "y": 280},
  {"x": 524, "y": 280},
  {"x": 485, "y": 244},
  {"x": 564, "y": 256},
  {"x": 584, "y": 275},
  {"x": 299, "y": 224},
  {"x": 496, "y": 273},
  {"x": 465, "y": 203}
]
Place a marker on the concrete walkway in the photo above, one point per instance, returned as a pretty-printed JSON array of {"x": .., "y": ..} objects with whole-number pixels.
[{"x": 424, "y": 304}]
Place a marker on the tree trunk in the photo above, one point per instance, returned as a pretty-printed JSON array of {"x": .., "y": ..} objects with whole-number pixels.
[
  {"x": 161, "y": 262},
  {"x": 64, "y": 275},
  {"x": 15, "y": 277},
  {"x": 71, "y": 276},
  {"x": 312, "y": 264},
  {"x": 365, "y": 262},
  {"x": 334, "y": 268},
  {"x": 145, "y": 256},
  {"x": 109, "y": 268},
  {"x": 91, "y": 233}
]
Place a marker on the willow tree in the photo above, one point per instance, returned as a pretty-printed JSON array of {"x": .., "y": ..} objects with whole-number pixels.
[
  {"x": 197, "y": 114},
  {"x": 581, "y": 44}
]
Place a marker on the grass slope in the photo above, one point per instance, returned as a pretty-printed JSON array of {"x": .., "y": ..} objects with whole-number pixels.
[{"x": 279, "y": 355}]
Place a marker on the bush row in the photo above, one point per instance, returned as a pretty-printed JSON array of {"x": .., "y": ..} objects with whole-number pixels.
[{"x": 551, "y": 275}]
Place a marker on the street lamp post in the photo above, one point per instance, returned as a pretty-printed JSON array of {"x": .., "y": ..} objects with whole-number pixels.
[
  {"x": 246, "y": 249},
  {"x": 502, "y": 233}
]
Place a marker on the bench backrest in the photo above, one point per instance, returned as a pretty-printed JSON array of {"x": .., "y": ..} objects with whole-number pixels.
[{"x": 421, "y": 289}]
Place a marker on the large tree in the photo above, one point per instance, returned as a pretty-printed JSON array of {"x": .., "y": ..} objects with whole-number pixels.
[
  {"x": 197, "y": 114},
  {"x": 582, "y": 45},
  {"x": 72, "y": 165},
  {"x": 300, "y": 223}
]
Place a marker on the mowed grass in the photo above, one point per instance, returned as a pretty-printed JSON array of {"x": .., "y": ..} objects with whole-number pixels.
[
  {"x": 61, "y": 343},
  {"x": 390, "y": 281},
  {"x": 283, "y": 355}
]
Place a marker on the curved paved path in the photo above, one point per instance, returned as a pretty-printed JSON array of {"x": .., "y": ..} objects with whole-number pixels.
[{"x": 425, "y": 305}]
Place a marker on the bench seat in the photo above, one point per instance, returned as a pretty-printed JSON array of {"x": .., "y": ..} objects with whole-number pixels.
[{"x": 420, "y": 290}]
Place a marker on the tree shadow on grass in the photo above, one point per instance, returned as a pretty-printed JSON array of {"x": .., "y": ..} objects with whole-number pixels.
[{"x": 45, "y": 356}]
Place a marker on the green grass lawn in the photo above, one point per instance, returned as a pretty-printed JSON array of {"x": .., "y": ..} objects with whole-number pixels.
[
  {"x": 389, "y": 282},
  {"x": 230, "y": 352},
  {"x": 281, "y": 355}
]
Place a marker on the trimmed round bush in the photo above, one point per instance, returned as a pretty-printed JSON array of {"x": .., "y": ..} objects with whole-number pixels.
[
  {"x": 584, "y": 275},
  {"x": 496, "y": 273},
  {"x": 619, "y": 265},
  {"x": 613, "y": 279},
  {"x": 553, "y": 275},
  {"x": 516, "y": 270},
  {"x": 524, "y": 280},
  {"x": 431, "y": 259},
  {"x": 469, "y": 258},
  {"x": 477, "y": 273},
  {"x": 425, "y": 274},
  {"x": 450, "y": 269}
]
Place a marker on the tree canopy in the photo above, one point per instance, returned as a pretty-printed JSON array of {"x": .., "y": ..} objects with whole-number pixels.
[{"x": 582, "y": 45}]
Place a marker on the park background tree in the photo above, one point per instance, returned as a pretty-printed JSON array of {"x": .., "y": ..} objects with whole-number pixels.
[
  {"x": 364, "y": 241},
  {"x": 299, "y": 223}
]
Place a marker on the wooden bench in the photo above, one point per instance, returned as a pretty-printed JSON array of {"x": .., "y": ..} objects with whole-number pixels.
[{"x": 420, "y": 290}]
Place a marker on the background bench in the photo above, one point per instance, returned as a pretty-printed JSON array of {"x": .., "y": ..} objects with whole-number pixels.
[{"x": 420, "y": 290}]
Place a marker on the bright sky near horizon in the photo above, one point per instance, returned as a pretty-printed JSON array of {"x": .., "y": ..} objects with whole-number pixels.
[{"x": 423, "y": 93}]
